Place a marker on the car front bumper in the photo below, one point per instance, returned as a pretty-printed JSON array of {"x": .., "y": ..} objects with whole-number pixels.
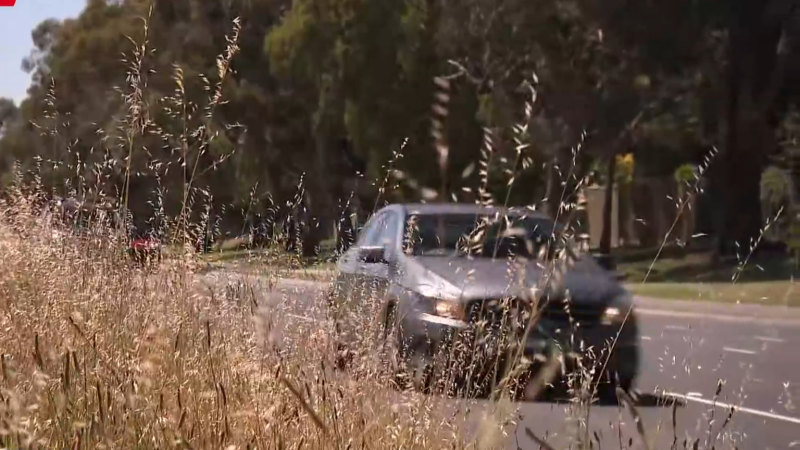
[{"x": 432, "y": 335}]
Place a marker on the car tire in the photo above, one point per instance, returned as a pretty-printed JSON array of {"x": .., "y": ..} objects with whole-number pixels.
[
  {"x": 607, "y": 388},
  {"x": 343, "y": 357},
  {"x": 390, "y": 351},
  {"x": 406, "y": 369}
]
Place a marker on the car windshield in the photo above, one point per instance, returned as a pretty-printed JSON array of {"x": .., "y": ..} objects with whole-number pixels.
[{"x": 478, "y": 235}]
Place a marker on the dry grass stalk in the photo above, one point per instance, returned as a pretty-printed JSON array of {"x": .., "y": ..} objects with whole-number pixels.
[{"x": 99, "y": 354}]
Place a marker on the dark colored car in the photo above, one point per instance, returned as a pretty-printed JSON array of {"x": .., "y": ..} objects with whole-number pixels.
[{"x": 432, "y": 274}]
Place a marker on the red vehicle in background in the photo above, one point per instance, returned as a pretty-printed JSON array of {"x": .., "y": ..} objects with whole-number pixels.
[{"x": 145, "y": 250}]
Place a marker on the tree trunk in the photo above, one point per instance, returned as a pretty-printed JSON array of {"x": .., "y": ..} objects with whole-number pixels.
[
  {"x": 324, "y": 186},
  {"x": 755, "y": 76},
  {"x": 321, "y": 216},
  {"x": 608, "y": 207},
  {"x": 687, "y": 218},
  {"x": 626, "y": 214},
  {"x": 742, "y": 163}
]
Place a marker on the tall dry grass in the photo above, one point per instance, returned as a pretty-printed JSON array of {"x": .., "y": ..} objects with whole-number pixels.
[{"x": 98, "y": 353}]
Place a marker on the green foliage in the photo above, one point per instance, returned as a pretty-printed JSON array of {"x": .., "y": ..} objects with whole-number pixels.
[
  {"x": 305, "y": 29},
  {"x": 8, "y": 111},
  {"x": 775, "y": 187},
  {"x": 777, "y": 196},
  {"x": 624, "y": 169},
  {"x": 330, "y": 88},
  {"x": 685, "y": 174}
]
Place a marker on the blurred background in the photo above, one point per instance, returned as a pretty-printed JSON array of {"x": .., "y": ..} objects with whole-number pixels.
[{"x": 671, "y": 127}]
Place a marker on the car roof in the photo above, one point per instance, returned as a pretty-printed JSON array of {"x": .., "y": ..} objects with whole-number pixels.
[{"x": 461, "y": 208}]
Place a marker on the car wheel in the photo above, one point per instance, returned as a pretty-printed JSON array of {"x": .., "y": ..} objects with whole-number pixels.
[
  {"x": 607, "y": 388},
  {"x": 343, "y": 354},
  {"x": 390, "y": 351},
  {"x": 405, "y": 367},
  {"x": 420, "y": 373}
]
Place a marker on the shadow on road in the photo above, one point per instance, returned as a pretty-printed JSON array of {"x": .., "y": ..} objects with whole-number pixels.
[
  {"x": 654, "y": 399},
  {"x": 556, "y": 395},
  {"x": 641, "y": 399}
]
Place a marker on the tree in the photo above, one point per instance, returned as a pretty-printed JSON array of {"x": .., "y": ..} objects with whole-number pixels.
[
  {"x": 44, "y": 37},
  {"x": 79, "y": 79},
  {"x": 8, "y": 112},
  {"x": 757, "y": 57},
  {"x": 363, "y": 64},
  {"x": 328, "y": 90}
]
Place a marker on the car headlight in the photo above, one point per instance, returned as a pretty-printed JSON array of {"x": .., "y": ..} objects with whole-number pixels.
[
  {"x": 611, "y": 315},
  {"x": 451, "y": 309}
]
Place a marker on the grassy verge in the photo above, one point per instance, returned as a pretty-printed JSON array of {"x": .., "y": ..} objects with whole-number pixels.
[
  {"x": 770, "y": 281},
  {"x": 699, "y": 267},
  {"x": 271, "y": 261},
  {"x": 259, "y": 262},
  {"x": 763, "y": 292}
]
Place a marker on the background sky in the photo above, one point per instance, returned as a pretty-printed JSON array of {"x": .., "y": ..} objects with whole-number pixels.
[{"x": 16, "y": 25}]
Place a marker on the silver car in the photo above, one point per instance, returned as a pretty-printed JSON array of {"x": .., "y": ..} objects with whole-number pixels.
[{"x": 469, "y": 289}]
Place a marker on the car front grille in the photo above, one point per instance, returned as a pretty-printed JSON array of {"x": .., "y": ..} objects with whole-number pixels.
[
  {"x": 498, "y": 311},
  {"x": 513, "y": 311},
  {"x": 562, "y": 310}
]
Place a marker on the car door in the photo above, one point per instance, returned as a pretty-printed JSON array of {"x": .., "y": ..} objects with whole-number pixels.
[
  {"x": 348, "y": 264},
  {"x": 363, "y": 272},
  {"x": 375, "y": 275},
  {"x": 355, "y": 282}
]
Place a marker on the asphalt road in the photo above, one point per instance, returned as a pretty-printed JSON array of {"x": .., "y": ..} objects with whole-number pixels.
[
  {"x": 759, "y": 364},
  {"x": 687, "y": 350}
]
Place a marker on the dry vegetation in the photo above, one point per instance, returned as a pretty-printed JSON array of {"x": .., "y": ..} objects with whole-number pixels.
[{"x": 97, "y": 353}]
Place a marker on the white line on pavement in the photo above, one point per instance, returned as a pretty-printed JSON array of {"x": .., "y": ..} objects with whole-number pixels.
[
  {"x": 719, "y": 317},
  {"x": 738, "y": 350},
  {"x": 676, "y": 327},
  {"x": 769, "y": 339},
  {"x": 736, "y": 408}
]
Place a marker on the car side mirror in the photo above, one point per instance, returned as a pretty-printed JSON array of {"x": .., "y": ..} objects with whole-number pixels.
[
  {"x": 372, "y": 255},
  {"x": 605, "y": 261}
]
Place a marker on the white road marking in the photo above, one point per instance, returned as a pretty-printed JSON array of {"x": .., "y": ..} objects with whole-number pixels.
[
  {"x": 738, "y": 350},
  {"x": 647, "y": 338},
  {"x": 737, "y": 408},
  {"x": 676, "y": 327},
  {"x": 769, "y": 339},
  {"x": 694, "y": 394}
]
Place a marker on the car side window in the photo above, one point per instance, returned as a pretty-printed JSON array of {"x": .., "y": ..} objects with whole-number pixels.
[
  {"x": 371, "y": 232},
  {"x": 388, "y": 231},
  {"x": 380, "y": 231}
]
